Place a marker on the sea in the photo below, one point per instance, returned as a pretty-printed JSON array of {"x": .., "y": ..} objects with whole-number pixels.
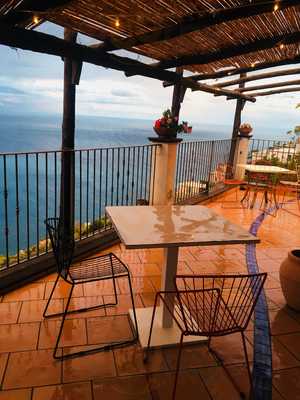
[
  {"x": 29, "y": 133},
  {"x": 36, "y": 132}
]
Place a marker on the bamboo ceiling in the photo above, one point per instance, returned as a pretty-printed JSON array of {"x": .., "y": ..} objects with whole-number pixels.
[{"x": 98, "y": 19}]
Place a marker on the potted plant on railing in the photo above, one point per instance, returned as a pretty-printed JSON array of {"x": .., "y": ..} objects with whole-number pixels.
[
  {"x": 168, "y": 126},
  {"x": 245, "y": 129}
]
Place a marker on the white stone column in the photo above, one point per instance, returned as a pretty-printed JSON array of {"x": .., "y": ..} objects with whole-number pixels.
[
  {"x": 163, "y": 183},
  {"x": 163, "y": 172},
  {"x": 241, "y": 155}
]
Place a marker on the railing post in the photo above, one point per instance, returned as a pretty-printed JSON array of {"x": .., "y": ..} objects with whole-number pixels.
[
  {"x": 241, "y": 155},
  {"x": 164, "y": 171},
  {"x": 210, "y": 165}
]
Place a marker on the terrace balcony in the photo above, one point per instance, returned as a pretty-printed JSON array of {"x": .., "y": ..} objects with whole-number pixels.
[
  {"x": 209, "y": 41},
  {"x": 28, "y": 370}
]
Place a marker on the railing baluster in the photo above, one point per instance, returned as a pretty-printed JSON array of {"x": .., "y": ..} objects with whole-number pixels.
[
  {"x": 94, "y": 189},
  {"x": 37, "y": 205},
  {"x": 17, "y": 207},
  {"x": 80, "y": 194},
  {"x": 87, "y": 191},
  {"x": 46, "y": 197},
  {"x": 5, "y": 193},
  {"x": 27, "y": 209}
]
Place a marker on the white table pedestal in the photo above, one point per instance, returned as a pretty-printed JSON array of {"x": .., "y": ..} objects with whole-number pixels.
[{"x": 161, "y": 337}]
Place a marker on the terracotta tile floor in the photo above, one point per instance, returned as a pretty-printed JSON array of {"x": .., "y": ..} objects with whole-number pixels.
[{"x": 28, "y": 371}]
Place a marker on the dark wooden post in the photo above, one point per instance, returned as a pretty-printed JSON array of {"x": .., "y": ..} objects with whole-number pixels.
[
  {"x": 178, "y": 94},
  {"x": 240, "y": 103},
  {"x": 67, "y": 193}
]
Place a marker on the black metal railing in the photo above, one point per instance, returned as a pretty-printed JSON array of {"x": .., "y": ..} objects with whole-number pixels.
[
  {"x": 30, "y": 189},
  {"x": 281, "y": 153},
  {"x": 30, "y": 192},
  {"x": 201, "y": 167}
]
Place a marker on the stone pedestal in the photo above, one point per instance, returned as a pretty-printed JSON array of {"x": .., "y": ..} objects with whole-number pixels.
[
  {"x": 241, "y": 155},
  {"x": 164, "y": 170}
]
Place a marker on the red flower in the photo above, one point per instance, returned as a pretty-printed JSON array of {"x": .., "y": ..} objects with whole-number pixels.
[{"x": 157, "y": 123}]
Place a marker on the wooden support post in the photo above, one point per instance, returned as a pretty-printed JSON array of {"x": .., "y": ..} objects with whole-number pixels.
[
  {"x": 178, "y": 94},
  {"x": 236, "y": 123},
  {"x": 67, "y": 193}
]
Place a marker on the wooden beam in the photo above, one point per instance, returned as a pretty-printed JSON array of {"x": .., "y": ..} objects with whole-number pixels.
[
  {"x": 43, "y": 43},
  {"x": 236, "y": 123},
  {"x": 270, "y": 85},
  {"x": 266, "y": 75},
  {"x": 270, "y": 92},
  {"x": 26, "y": 9},
  {"x": 195, "y": 23},
  {"x": 230, "y": 52},
  {"x": 236, "y": 71},
  {"x": 178, "y": 95}
]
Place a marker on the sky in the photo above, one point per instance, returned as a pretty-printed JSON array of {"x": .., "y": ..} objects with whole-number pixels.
[{"x": 32, "y": 83}]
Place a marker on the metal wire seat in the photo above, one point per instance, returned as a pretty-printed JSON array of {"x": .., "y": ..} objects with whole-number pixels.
[
  {"x": 211, "y": 305},
  {"x": 103, "y": 267}
]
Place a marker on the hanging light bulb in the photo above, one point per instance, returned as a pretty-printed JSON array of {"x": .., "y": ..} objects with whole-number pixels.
[
  {"x": 281, "y": 46},
  {"x": 36, "y": 19},
  {"x": 117, "y": 23},
  {"x": 276, "y": 6}
]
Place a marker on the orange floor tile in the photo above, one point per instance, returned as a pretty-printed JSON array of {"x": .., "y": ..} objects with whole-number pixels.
[{"x": 28, "y": 371}]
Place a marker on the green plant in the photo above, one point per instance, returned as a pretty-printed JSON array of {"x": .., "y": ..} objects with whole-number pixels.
[{"x": 295, "y": 132}]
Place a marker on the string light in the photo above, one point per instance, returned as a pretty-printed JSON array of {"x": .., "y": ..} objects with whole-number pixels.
[
  {"x": 276, "y": 7},
  {"x": 252, "y": 65},
  {"x": 117, "y": 23},
  {"x": 36, "y": 19},
  {"x": 281, "y": 46}
]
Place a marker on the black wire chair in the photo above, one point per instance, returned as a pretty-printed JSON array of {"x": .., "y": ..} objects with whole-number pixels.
[
  {"x": 211, "y": 305},
  {"x": 292, "y": 188},
  {"x": 107, "y": 266}
]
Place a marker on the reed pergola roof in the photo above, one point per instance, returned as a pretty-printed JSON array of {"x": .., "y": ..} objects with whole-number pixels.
[
  {"x": 204, "y": 37},
  {"x": 198, "y": 31}
]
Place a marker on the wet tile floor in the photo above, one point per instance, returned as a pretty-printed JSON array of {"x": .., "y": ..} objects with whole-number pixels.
[{"x": 28, "y": 371}]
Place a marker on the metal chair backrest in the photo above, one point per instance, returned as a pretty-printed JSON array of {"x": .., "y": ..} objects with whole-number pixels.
[
  {"x": 298, "y": 172},
  {"x": 62, "y": 245},
  {"x": 261, "y": 178},
  {"x": 216, "y": 305}
]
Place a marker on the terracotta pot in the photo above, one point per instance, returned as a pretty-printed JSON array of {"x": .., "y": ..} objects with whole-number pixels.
[
  {"x": 245, "y": 131},
  {"x": 290, "y": 279},
  {"x": 165, "y": 132}
]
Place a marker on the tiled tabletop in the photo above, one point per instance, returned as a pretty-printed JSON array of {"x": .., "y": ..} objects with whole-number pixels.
[{"x": 174, "y": 226}]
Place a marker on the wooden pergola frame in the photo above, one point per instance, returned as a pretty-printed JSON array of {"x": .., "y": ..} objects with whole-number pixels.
[{"x": 14, "y": 32}]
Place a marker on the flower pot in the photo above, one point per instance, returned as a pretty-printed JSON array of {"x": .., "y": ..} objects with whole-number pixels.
[
  {"x": 290, "y": 279},
  {"x": 245, "y": 131},
  {"x": 165, "y": 132}
]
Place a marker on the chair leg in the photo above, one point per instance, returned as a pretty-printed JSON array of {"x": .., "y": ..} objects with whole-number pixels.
[
  {"x": 247, "y": 362},
  {"x": 146, "y": 352},
  {"x": 79, "y": 310},
  {"x": 177, "y": 367},
  {"x": 105, "y": 347},
  {"x": 136, "y": 333},
  {"x": 253, "y": 199},
  {"x": 62, "y": 326},
  {"x": 49, "y": 300}
]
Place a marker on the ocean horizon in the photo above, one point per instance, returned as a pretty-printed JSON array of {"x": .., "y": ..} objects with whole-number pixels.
[
  {"x": 22, "y": 133},
  {"x": 32, "y": 133}
]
